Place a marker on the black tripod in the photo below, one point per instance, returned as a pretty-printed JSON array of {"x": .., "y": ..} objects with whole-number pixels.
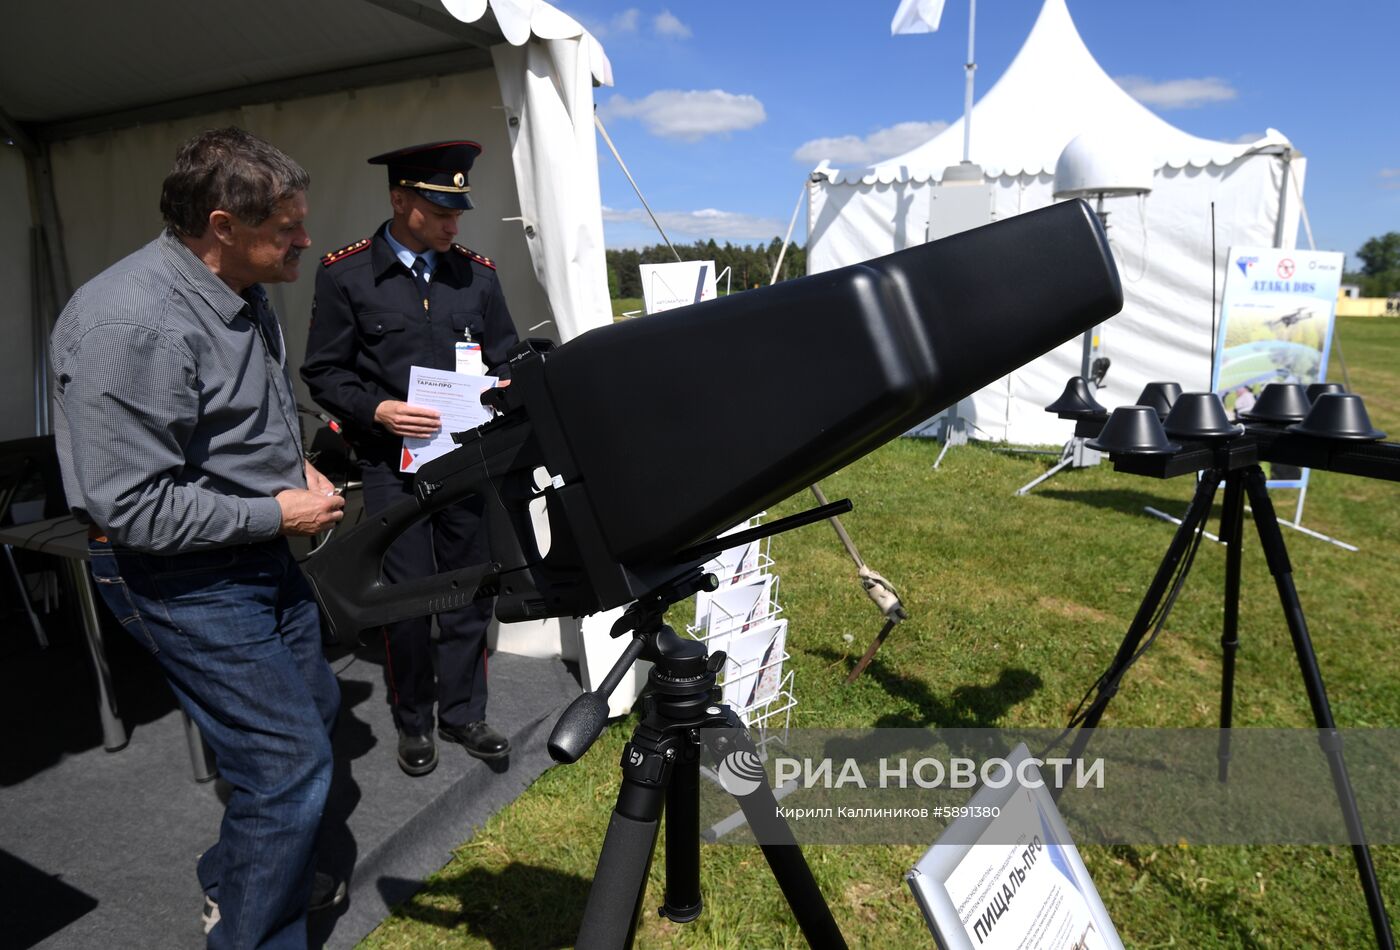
[
  {"x": 661, "y": 772},
  {"x": 1246, "y": 480}
]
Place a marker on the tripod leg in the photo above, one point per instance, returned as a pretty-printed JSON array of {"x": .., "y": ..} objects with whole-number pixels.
[
  {"x": 1195, "y": 515},
  {"x": 1066, "y": 459},
  {"x": 779, "y": 846},
  {"x": 683, "y": 902},
  {"x": 1266, "y": 522},
  {"x": 619, "y": 883},
  {"x": 1231, "y": 532}
]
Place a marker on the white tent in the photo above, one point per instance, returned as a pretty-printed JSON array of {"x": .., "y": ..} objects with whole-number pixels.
[
  {"x": 1052, "y": 92},
  {"x": 96, "y": 97}
]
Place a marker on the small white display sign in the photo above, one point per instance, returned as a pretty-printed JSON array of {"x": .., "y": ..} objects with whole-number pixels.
[
  {"x": 679, "y": 284},
  {"x": 1011, "y": 878}
]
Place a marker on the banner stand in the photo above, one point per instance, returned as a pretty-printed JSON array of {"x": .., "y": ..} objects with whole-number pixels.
[{"x": 1277, "y": 317}]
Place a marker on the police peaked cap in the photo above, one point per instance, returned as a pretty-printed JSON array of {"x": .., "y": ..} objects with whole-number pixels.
[{"x": 437, "y": 171}]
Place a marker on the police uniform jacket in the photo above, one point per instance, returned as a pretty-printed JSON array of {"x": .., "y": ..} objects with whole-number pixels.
[{"x": 369, "y": 324}]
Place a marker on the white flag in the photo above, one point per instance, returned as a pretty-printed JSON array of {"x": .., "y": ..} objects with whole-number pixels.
[{"x": 916, "y": 16}]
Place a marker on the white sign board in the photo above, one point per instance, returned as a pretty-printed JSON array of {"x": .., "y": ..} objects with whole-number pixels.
[
  {"x": 1010, "y": 878},
  {"x": 668, "y": 286}
]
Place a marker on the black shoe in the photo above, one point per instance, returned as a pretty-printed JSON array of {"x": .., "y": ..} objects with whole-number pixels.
[
  {"x": 417, "y": 754},
  {"x": 477, "y": 738},
  {"x": 326, "y": 892}
]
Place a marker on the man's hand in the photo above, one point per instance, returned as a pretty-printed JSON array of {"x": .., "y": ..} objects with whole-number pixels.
[
  {"x": 305, "y": 512},
  {"x": 402, "y": 419},
  {"x": 317, "y": 482}
]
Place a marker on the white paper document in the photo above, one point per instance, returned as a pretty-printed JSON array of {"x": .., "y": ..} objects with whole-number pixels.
[
  {"x": 1044, "y": 906},
  {"x": 733, "y": 567},
  {"x": 457, "y": 399},
  {"x": 736, "y": 609},
  {"x": 754, "y": 670},
  {"x": 1014, "y": 880}
]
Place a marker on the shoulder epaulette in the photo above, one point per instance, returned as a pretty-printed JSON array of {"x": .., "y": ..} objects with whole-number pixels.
[
  {"x": 345, "y": 251},
  {"x": 479, "y": 258}
]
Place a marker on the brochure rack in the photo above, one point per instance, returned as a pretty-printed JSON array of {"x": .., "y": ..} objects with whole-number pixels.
[{"x": 743, "y": 618}]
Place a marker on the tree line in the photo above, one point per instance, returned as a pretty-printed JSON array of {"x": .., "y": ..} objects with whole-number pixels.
[
  {"x": 752, "y": 266},
  {"x": 1380, "y": 266},
  {"x": 749, "y": 267}
]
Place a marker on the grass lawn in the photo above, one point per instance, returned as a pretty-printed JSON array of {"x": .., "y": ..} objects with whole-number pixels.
[
  {"x": 1016, "y": 605},
  {"x": 621, "y": 305}
]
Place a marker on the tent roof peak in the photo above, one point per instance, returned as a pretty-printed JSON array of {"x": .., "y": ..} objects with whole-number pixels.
[{"x": 1053, "y": 90}]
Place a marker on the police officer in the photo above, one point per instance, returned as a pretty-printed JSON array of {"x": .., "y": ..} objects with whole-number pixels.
[{"x": 409, "y": 296}]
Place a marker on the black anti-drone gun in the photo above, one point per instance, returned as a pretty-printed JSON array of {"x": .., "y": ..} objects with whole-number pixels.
[{"x": 646, "y": 439}]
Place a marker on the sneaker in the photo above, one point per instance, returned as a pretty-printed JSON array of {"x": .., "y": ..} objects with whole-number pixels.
[
  {"x": 210, "y": 917},
  {"x": 326, "y": 892}
]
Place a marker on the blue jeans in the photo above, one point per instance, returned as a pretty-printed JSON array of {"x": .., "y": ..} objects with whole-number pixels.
[{"x": 238, "y": 636}]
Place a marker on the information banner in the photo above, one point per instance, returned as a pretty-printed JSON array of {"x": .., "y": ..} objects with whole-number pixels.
[{"x": 1276, "y": 318}]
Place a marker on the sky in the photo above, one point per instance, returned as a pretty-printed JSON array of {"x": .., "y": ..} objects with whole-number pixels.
[{"x": 721, "y": 109}]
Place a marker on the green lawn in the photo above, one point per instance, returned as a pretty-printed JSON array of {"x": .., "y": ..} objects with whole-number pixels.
[
  {"x": 621, "y": 305},
  {"x": 1016, "y": 605}
]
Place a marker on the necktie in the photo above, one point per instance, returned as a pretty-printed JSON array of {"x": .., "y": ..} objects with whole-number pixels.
[{"x": 420, "y": 277}]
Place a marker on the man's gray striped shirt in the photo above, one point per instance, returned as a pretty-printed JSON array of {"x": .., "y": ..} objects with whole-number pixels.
[{"x": 176, "y": 424}]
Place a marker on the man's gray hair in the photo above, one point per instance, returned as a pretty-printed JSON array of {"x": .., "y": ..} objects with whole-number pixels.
[{"x": 227, "y": 170}]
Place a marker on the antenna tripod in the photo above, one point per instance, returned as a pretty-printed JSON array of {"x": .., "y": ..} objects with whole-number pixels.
[
  {"x": 661, "y": 773},
  {"x": 1247, "y": 480}
]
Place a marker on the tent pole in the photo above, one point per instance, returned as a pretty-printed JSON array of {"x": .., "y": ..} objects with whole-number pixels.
[
  {"x": 792, "y": 223},
  {"x": 971, "y": 69},
  {"x": 623, "y": 165},
  {"x": 54, "y": 286},
  {"x": 38, "y": 329},
  {"x": 50, "y": 286},
  {"x": 1283, "y": 198}
]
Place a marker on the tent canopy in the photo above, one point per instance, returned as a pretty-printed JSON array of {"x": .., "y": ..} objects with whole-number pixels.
[
  {"x": 86, "y": 67},
  {"x": 96, "y": 98},
  {"x": 1205, "y": 195},
  {"x": 1053, "y": 90}
]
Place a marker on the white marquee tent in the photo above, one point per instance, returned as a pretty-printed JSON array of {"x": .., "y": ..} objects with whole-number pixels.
[
  {"x": 96, "y": 97},
  {"x": 1053, "y": 91}
]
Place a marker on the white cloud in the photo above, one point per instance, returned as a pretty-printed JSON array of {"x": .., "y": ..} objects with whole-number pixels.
[
  {"x": 701, "y": 225},
  {"x": 619, "y": 24},
  {"x": 878, "y": 145},
  {"x": 667, "y": 23},
  {"x": 1177, "y": 93},
  {"x": 689, "y": 116},
  {"x": 626, "y": 21},
  {"x": 629, "y": 22},
  {"x": 1390, "y": 178}
]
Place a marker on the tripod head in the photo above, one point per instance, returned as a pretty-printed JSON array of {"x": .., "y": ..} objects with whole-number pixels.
[{"x": 680, "y": 660}]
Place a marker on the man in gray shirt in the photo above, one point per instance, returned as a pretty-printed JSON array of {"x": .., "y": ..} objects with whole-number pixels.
[{"x": 177, "y": 435}]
